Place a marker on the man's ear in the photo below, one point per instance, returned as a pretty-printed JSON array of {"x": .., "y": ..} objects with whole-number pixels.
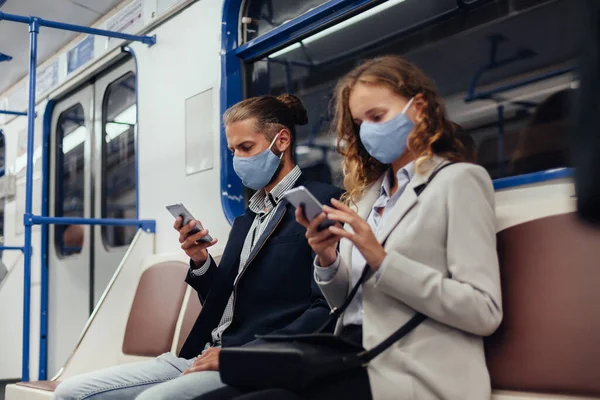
[{"x": 283, "y": 141}]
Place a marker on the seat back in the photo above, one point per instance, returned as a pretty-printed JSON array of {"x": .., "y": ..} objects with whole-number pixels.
[
  {"x": 549, "y": 341},
  {"x": 153, "y": 316},
  {"x": 190, "y": 314}
]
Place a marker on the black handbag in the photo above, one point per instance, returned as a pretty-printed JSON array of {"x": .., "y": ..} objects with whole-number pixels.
[{"x": 294, "y": 362}]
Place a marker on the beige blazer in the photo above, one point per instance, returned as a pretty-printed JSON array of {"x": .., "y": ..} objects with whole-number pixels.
[{"x": 441, "y": 261}]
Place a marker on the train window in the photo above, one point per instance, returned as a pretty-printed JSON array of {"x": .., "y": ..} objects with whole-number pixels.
[
  {"x": 265, "y": 15},
  {"x": 71, "y": 135},
  {"x": 119, "y": 110},
  {"x": 450, "y": 44}
]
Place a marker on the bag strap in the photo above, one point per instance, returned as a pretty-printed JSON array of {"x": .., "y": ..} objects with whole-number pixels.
[{"x": 405, "y": 329}]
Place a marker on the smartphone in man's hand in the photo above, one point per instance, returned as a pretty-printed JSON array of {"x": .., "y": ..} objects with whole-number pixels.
[{"x": 178, "y": 210}]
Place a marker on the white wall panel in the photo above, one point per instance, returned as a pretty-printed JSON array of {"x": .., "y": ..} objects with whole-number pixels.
[{"x": 183, "y": 63}]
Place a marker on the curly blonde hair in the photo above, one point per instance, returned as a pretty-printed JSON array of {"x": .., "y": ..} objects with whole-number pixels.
[{"x": 433, "y": 134}]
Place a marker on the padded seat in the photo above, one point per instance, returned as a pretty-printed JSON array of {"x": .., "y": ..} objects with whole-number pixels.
[
  {"x": 549, "y": 341},
  {"x": 155, "y": 309},
  {"x": 153, "y": 316}
]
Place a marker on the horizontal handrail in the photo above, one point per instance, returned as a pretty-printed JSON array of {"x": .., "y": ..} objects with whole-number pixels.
[
  {"x": 534, "y": 177},
  {"x": 148, "y": 225},
  {"x": 474, "y": 95},
  {"x": 10, "y": 112},
  {"x": 21, "y": 249},
  {"x": 149, "y": 40}
]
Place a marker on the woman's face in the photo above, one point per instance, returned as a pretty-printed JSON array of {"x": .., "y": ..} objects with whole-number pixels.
[{"x": 377, "y": 103}]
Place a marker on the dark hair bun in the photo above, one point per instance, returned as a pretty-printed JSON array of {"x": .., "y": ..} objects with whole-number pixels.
[{"x": 294, "y": 104}]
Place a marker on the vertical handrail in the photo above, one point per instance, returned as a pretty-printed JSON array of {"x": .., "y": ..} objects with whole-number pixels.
[
  {"x": 34, "y": 29},
  {"x": 28, "y": 218}
]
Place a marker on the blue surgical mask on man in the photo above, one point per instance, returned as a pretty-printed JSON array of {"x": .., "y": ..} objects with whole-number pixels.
[
  {"x": 386, "y": 141},
  {"x": 257, "y": 171}
]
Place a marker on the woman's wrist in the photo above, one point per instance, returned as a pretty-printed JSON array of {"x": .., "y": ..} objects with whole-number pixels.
[
  {"x": 327, "y": 257},
  {"x": 378, "y": 259}
]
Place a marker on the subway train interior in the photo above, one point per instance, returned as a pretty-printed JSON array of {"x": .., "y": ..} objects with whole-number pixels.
[{"x": 126, "y": 119}]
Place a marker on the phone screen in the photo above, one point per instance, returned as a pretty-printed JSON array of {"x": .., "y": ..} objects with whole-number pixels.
[
  {"x": 301, "y": 196},
  {"x": 179, "y": 210}
]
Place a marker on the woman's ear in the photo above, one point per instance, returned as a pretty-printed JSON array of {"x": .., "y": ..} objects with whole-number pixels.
[{"x": 419, "y": 105}]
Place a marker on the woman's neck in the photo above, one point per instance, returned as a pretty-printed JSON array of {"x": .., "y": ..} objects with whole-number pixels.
[
  {"x": 397, "y": 165},
  {"x": 401, "y": 162}
]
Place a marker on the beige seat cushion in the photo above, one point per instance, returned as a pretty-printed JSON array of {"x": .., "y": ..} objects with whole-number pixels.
[{"x": 155, "y": 309}]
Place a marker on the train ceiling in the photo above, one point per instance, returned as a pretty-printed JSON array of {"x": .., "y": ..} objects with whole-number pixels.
[{"x": 14, "y": 38}]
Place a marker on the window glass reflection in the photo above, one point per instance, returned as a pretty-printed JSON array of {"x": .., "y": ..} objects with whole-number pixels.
[{"x": 118, "y": 159}]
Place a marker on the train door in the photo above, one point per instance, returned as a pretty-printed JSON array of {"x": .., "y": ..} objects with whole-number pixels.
[{"x": 92, "y": 176}]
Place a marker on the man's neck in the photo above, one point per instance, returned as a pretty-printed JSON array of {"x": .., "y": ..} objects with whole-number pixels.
[{"x": 285, "y": 169}]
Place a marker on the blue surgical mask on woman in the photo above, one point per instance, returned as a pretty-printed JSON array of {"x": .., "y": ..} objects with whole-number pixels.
[
  {"x": 257, "y": 171},
  {"x": 386, "y": 141}
]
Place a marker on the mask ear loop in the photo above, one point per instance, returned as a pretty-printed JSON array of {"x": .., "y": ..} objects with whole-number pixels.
[
  {"x": 273, "y": 142},
  {"x": 408, "y": 105}
]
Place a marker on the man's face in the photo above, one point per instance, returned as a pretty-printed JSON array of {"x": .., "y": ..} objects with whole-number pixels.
[{"x": 244, "y": 140}]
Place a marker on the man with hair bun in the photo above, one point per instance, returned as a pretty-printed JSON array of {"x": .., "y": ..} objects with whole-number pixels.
[{"x": 264, "y": 281}]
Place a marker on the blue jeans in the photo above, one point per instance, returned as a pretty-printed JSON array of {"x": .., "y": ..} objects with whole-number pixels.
[{"x": 155, "y": 379}]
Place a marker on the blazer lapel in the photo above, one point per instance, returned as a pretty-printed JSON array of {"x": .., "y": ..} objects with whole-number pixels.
[
  {"x": 364, "y": 207},
  {"x": 269, "y": 229},
  {"x": 230, "y": 263},
  {"x": 408, "y": 199}
]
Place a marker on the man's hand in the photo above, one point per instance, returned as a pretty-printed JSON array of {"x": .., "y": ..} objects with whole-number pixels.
[
  {"x": 194, "y": 249},
  {"x": 208, "y": 361}
]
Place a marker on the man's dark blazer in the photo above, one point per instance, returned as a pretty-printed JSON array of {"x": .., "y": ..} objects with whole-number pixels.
[{"x": 275, "y": 293}]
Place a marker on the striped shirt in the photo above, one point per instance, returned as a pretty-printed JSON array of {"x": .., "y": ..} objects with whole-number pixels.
[{"x": 263, "y": 204}]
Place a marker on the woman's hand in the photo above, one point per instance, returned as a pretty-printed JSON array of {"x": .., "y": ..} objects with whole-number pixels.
[
  {"x": 362, "y": 237},
  {"x": 322, "y": 242}
]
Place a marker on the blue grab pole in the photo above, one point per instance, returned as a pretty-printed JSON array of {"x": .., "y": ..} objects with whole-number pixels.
[
  {"x": 34, "y": 29},
  {"x": 28, "y": 218},
  {"x": 146, "y": 224},
  {"x": 3, "y": 248},
  {"x": 9, "y": 112},
  {"x": 472, "y": 95},
  {"x": 149, "y": 40}
]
